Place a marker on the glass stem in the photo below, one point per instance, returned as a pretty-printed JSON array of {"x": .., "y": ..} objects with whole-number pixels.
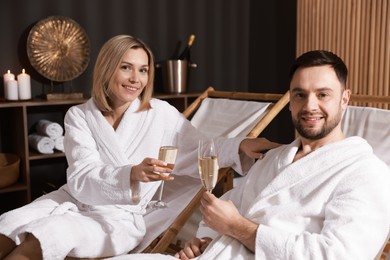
[{"x": 161, "y": 191}]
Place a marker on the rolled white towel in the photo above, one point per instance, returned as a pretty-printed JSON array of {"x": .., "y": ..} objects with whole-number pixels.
[
  {"x": 59, "y": 143},
  {"x": 49, "y": 128},
  {"x": 42, "y": 144}
]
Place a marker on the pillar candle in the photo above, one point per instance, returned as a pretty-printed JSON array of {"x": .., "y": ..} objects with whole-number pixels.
[
  {"x": 24, "y": 83},
  {"x": 7, "y": 76},
  {"x": 12, "y": 89}
]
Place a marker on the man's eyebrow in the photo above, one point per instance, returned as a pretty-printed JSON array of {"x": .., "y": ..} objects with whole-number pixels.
[{"x": 298, "y": 89}]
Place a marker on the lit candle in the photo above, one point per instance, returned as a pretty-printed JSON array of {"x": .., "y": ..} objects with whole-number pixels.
[
  {"x": 7, "y": 76},
  {"x": 24, "y": 83}
]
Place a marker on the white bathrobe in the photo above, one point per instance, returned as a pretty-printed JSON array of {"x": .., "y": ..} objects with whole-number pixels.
[
  {"x": 99, "y": 212},
  {"x": 331, "y": 204}
]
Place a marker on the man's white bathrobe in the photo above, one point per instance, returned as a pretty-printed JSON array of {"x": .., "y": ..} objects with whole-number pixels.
[
  {"x": 99, "y": 212},
  {"x": 331, "y": 204}
]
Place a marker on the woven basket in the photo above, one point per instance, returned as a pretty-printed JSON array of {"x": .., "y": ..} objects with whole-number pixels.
[{"x": 9, "y": 169}]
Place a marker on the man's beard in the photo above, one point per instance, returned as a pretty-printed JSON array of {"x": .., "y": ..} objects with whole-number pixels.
[{"x": 312, "y": 134}]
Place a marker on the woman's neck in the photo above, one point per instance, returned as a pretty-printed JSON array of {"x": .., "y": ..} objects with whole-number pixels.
[{"x": 115, "y": 116}]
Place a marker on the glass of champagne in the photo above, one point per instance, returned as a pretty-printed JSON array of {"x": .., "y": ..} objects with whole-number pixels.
[
  {"x": 167, "y": 153},
  {"x": 208, "y": 163}
]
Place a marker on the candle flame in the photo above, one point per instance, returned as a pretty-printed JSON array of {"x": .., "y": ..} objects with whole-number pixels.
[
  {"x": 8, "y": 71},
  {"x": 23, "y": 71}
]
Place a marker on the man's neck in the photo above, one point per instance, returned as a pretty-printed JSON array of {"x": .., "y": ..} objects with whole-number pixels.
[{"x": 308, "y": 146}]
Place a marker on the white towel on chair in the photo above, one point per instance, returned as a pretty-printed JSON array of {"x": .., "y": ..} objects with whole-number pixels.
[
  {"x": 42, "y": 144},
  {"x": 48, "y": 128},
  {"x": 59, "y": 143}
]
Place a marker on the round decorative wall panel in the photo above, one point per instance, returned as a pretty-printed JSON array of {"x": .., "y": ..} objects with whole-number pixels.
[{"x": 58, "y": 48}]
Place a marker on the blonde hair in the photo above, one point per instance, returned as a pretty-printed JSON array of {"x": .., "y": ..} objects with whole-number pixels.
[{"x": 107, "y": 62}]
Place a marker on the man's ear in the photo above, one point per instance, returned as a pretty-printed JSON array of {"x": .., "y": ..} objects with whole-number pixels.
[{"x": 345, "y": 98}]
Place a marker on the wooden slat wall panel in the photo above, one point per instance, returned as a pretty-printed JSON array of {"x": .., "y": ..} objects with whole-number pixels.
[{"x": 356, "y": 30}]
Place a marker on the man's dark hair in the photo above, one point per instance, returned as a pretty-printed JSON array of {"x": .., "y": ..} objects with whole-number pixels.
[{"x": 319, "y": 58}]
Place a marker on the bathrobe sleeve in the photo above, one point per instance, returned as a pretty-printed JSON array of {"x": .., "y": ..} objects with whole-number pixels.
[{"x": 228, "y": 153}]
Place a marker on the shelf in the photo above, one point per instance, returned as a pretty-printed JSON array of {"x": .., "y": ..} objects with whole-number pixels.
[
  {"x": 14, "y": 187},
  {"x": 39, "y": 102},
  {"x": 38, "y": 156},
  {"x": 17, "y": 120},
  {"x": 173, "y": 96},
  {"x": 180, "y": 101}
]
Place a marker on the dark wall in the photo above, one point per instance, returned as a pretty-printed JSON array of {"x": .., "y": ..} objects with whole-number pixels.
[
  {"x": 272, "y": 51},
  {"x": 272, "y": 45},
  {"x": 220, "y": 48},
  {"x": 240, "y": 45}
]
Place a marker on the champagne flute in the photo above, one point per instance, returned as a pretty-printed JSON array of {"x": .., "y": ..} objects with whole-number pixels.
[
  {"x": 167, "y": 153},
  {"x": 208, "y": 163}
]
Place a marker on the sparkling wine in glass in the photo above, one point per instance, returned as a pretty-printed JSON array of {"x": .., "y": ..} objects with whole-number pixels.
[
  {"x": 208, "y": 163},
  {"x": 167, "y": 153}
]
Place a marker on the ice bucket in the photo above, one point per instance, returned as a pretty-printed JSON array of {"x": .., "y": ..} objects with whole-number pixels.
[{"x": 175, "y": 75}]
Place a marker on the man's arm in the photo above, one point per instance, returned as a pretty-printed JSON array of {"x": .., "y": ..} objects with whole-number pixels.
[{"x": 224, "y": 217}]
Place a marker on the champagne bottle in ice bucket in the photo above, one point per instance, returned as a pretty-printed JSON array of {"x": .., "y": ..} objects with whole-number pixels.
[
  {"x": 175, "y": 71},
  {"x": 186, "y": 54},
  {"x": 176, "y": 53}
]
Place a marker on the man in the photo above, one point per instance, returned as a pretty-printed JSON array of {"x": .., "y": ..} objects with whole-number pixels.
[{"x": 323, "y": 196}]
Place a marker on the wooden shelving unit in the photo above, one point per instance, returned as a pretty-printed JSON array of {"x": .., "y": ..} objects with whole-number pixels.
[{"x": 17, "y": 120}]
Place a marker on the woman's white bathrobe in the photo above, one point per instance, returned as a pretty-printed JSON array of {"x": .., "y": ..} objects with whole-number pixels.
[
  {"x": 331, "y": 204},
  {"x": 99, "y": 212}
]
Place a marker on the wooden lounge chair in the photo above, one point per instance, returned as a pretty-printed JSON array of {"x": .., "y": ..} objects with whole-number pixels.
[{"x": 171, "y": 225}]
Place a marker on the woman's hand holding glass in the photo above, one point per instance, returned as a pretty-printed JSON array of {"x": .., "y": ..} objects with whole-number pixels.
[
  {"x": 146, "y": 171},
  {"x": 167, "y": 154}
]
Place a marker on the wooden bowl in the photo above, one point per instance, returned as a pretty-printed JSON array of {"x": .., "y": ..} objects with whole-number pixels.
[{"x": 9, "y": 169}]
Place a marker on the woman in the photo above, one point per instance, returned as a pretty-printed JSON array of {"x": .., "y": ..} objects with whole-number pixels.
[{"x": 111, "y": 145}]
